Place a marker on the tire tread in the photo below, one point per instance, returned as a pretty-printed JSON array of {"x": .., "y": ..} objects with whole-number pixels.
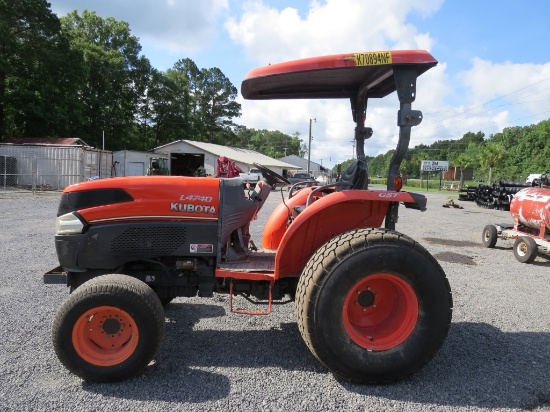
[
  {"x": 334, "y": 251},
  {"x": 136, "y": 292}
]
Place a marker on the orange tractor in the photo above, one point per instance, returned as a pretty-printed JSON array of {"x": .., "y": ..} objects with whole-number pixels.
[{"x": 371, "y": 303}]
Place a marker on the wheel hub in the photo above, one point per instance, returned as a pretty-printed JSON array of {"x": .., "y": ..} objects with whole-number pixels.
[
  {"x": 111, "y": 326},
  {"x": 105, "y": 336},
  {"x": 366, "y": 298},
  {"x": 380, "y": 311}
]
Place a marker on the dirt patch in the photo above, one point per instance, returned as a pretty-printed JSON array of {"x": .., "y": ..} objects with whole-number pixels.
[
  {"x": 450, "y": 242},
  {"x": 453, "y": 257}
]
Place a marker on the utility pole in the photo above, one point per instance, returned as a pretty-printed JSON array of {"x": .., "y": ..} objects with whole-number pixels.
[{"x": 309, "y": 145}]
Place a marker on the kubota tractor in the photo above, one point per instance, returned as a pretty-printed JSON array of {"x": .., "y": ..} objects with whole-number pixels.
[{"x": 371, "y": 304}]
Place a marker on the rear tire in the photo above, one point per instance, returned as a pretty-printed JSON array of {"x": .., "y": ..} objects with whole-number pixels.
[
  {"x": 489, "y": 236},
  {"x": 109, "y": 328},
  {"x": 525, "y": 249},
  {"x": 373, "y": 305}
]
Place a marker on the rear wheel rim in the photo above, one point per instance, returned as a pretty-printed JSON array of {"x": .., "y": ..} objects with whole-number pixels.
[
  {"x": 522, "y": 248},
  {"x": 380, "y": 311},
  {"x": 105, "y": 336}
]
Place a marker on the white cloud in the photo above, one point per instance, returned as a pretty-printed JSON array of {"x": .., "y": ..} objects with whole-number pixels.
[
  {"x": 172, "y": 25},
  {"x": 494, "y": 96},
  {"x": 336, "y": 26},
  {"x": 501, "y": 119},
  {"x": 270, "y": 35},
  {"x": 517, "y": 84},
  {"x": 193, "y": 28},
  {"x": 487, "y": 97}
]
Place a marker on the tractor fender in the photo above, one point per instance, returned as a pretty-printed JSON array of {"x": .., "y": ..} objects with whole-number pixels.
[{"x": 330, "y": 216}]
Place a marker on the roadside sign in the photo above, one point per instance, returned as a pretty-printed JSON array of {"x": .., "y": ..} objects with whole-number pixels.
[{"x": 435, "y": 165}]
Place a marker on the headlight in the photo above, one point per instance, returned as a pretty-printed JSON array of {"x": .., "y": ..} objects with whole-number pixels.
[{"x": 68, "y": 224}]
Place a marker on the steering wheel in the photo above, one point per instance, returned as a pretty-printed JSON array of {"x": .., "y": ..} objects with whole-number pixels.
[{"x": 272, "y": 177}]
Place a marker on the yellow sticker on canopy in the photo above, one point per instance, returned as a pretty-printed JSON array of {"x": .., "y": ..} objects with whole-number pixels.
[{"x": 373, "y": 58}]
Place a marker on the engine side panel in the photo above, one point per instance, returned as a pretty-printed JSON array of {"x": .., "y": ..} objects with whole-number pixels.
[
  {"x": 133, "y": 218},
  {"x": 153, "y": 198},
  {"x": 108, "y": 246}
]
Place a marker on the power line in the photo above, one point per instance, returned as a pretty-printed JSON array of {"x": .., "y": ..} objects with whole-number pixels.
[{"x": 487, "y": 103}]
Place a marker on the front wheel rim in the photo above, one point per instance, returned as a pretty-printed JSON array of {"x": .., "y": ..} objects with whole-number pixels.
[
  {"x": 380, "y": 311},
  {"x": 105, "y": 336},
  {"x": 522, "y": 249}
]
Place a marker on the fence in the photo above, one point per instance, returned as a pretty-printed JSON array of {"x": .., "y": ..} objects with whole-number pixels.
[{"x": 35, "y": 172}]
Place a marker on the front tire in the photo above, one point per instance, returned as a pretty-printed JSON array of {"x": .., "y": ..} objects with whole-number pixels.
[
  {"x": 109, "y": 328},
  {"x": 373, "y": 305},
  {"x": 525, "y": 249},
  {"x": 489, "y": 236}
]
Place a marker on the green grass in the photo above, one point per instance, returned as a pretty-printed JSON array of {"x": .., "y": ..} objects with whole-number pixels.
[{"x": 414, "y": 185}]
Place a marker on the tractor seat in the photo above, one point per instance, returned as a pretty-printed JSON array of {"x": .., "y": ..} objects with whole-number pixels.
[
  {"x": 355, "y": 177},
  {"x": 296, "y": 210}
]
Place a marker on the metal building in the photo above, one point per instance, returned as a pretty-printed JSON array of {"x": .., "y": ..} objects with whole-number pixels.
[
  {"x": 50, "y": 163},
  {"x": 185, "y": 156},
  {"x": 134, "y": 163}
]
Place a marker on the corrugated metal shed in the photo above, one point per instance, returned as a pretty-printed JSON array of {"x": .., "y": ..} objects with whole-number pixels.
[
  {"x": 314, "y": 167},
  {"x": 132, "y": 162},
  {"x": 53, "y": 167},
  {"x": 244, "y": 158},
  {"x": 56, "y": 141}
]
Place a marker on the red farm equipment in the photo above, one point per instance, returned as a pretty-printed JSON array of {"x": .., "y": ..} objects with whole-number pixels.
[
  {"x": 371, "y": 303},
  {"x": 530, "y": 209}
]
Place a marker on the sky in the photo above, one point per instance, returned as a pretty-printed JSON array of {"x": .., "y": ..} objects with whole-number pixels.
[{"x": 493, "y": 71}]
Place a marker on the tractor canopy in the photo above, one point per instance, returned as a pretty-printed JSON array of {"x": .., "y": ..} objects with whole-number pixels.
[
  {"x": 358, "y": 77},
  {"x": 336, "y": 76}
]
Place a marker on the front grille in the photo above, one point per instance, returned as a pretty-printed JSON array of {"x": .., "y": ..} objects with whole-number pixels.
[{"x": 149, "y": 240}]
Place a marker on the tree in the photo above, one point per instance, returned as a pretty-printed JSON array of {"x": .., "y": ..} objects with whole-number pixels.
[
  {"x": 473, "y": 138},
  {"x": 34, "y": 99},
  {"x": 272, "y": 143},
  {"x": 216, "y": 101},
  {"x": 541, "y": 158},
  {"x": 462, "y": 161},
  {"x": 490, "y": 155},
  {"x": 380, "y": 164},
  {"x": 186, "y": 77},
  {"x": 416, "y": 160},
  {"x": 115, "y": 77},
  {"x": 208, "y": 103},
  {"x": 468, "y": 155},
  {"x": 160, "y": 111}
]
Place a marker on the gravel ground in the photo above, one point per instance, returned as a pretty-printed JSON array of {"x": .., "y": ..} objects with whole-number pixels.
[{"x": 496, "y": 357}]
